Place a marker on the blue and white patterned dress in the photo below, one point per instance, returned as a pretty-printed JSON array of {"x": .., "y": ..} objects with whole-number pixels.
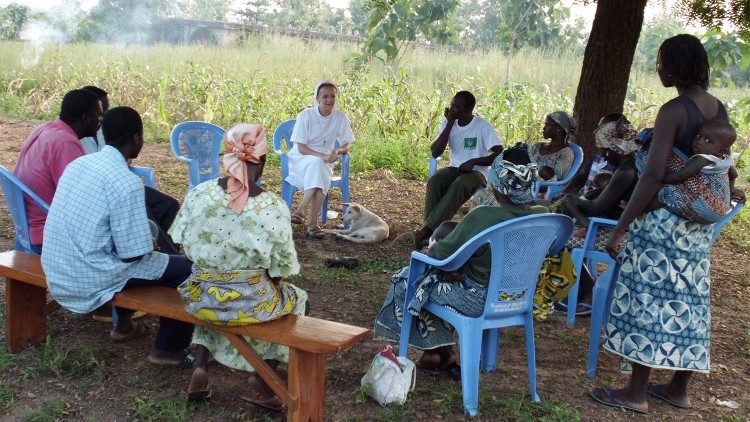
[{"x": 661, "y": 315}]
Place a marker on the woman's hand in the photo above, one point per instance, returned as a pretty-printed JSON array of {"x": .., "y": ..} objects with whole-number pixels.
[
  {"x": 614, "y": 245},
  {"x": 331, "y": 158}
]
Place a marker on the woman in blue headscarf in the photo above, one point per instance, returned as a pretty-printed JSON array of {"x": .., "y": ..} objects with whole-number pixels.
[{"x": 512, "y": 178}]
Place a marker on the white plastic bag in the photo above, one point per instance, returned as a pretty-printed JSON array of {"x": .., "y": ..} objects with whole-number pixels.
[{"x": 388, "y": 381}]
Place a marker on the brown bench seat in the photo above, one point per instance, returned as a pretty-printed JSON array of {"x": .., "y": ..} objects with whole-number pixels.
[{"x": 309, "y": 339}]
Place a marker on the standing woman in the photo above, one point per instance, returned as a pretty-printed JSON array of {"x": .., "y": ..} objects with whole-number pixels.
[
  {"x": 554, "y": 158},
  {"x": 660, "y": 317},
  {"x": 314, "y": 154}
]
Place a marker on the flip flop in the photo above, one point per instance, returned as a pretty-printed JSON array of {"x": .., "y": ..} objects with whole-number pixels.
[
  {"x": 271, "y": 403},
  {"x": 315, "y": 233},
  {"x": 657, "y": 391},
  {"x": 185, "y": 363},
  {"x": 611, "y": 401},
  {"x": 139, "y": 331},
  {"x": 586, "y": 310}
]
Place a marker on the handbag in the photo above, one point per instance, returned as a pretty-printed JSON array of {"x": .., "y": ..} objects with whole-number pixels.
[{"x": 390, "y": 378}]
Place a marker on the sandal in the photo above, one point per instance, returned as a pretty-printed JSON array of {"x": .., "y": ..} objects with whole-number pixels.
[
  {"x": 315, "y": 233},
  {"x": 139, "y": 331},
  {"x": 270, "y": 403},
  {"x": 297, "y": 218}
]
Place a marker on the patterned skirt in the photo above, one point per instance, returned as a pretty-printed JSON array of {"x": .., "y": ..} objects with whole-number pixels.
[
  {"x": 466, "y": 297},
  {"x": 661, "y": 315}
]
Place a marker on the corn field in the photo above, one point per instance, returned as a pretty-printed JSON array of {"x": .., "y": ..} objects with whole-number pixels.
[{"x": 394, "y": 112}]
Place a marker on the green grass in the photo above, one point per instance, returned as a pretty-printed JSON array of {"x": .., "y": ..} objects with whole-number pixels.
[
  {"x": 48, "y": 412},
  {"x": 162, "y": 409},
  {"x": 7, "y": 396},
  {"x": 79, "y": 360},
  {"x": 394, "y": 113}
]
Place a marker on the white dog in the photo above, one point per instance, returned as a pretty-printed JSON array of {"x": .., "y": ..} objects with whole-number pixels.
[{"x": 364, "y": 226}]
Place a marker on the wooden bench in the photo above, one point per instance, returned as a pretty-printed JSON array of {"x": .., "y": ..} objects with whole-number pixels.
[{"x": 309, "y": 339}]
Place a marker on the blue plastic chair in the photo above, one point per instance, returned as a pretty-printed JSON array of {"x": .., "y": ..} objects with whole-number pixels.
[
  {"x": 281, "y": 145},
  {"x": 518, "y": 249},
  {"x": 604, "y": 287},
  {"x": 198, "y": 144},
  {"x": 146, "y": 174},
  {"x": 557, "y": 186},
  {"x": 14, "y": 190}
]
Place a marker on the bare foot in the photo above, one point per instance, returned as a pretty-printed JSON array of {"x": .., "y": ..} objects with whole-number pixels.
[{"x": 665, "y": 393}]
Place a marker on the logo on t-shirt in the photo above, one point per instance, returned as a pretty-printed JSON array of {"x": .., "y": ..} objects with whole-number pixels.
[{"x": 470, "y": 143}]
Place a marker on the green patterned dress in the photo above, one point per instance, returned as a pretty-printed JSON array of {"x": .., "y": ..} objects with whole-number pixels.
[{"x": 218, "y": 240}]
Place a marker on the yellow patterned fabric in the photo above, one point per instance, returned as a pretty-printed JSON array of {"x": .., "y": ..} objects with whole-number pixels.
[
  {"x": 234, "y": 255},
  {"x": 555, "y": 281},
  {"x": 235, "y": 298}
]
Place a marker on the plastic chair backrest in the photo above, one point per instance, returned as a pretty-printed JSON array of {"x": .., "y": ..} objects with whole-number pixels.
[
  {"x": 719, "y": 225},
  {"x": 557, "y": 186},
  {"x": 146, "y": 174},
  {"x": 199, "y": 145},
  {"x": 14, "y": 191}
]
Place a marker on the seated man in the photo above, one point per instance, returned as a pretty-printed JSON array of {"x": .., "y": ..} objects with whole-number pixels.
[
  {"x": 160, "y": 207},
  {"x": 50, "y": 148},
  {"x": 97, "y": 240},
  {"x": 474, "y": 144}
]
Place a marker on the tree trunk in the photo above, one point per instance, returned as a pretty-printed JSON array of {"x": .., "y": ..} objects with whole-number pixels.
[{"x": 606, "y": 65}]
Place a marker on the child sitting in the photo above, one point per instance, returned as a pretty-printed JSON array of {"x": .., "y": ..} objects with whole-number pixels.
[
  {"x": 699, "y": 188},
  {"x": 600, "y": 182}
]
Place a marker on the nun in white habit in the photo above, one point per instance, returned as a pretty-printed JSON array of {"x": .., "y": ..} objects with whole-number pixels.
[{"x": 314, "y": 154}]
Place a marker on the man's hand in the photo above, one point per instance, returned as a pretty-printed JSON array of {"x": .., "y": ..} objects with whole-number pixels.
[
  {"x": 466, "y": 167},
  {"x": 448, "y": 115}
]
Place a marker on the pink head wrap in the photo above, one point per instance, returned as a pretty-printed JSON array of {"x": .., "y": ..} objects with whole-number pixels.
[{"x": 242, "y": 143}]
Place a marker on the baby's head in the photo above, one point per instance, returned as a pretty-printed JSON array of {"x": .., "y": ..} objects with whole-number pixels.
[
  {"x": 601, "y": 180},
  {"x": 442, "y": 231},
  {"x": 715, "y": 138}
]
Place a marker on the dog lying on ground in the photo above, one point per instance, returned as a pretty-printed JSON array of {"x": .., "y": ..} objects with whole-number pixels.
[{"x": 364, "y": 226}]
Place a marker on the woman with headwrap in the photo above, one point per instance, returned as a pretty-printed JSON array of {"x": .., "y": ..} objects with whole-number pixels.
[
  {"x": 240, "y": 240},
  {"x": 311, "y": 160},
  {"x": 512, "y": 178},
  {"x": 616, "y": 143},
  {"x": 554, "y": 158}
]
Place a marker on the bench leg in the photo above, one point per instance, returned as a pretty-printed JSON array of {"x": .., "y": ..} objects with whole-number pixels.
[
  {"x": 307, "y": 381},
  {"x": 25, "y": 314}
]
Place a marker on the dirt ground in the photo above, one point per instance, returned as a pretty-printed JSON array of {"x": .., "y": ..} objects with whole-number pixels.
[{"x": 94, "y": 379}]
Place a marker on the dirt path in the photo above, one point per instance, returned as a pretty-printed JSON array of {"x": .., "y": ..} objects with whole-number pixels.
[{"x": 80, "y": 375}]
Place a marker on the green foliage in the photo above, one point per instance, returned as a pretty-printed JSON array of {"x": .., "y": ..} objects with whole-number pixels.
[
  {"x": 726, "y": 52},
  {"x": 394, "y": 24},
  {"x": 55, "y": 361},
  {"x": 298, "y": 14},
  {"x": 394, "y": 115},
  {"x": 12, "y": 19}
]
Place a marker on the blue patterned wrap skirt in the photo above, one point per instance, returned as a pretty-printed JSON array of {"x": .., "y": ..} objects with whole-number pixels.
[{"x": 661, "y": 313}]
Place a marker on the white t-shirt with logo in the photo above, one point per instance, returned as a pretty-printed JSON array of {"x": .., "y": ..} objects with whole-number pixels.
[{"x": 471, "y": 141}]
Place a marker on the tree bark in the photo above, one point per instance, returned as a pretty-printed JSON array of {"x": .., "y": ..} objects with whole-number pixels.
[{"x": 606, "y": 65}]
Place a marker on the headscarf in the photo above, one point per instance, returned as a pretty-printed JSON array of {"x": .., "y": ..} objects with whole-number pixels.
[
  {"x": 619, "y": 136},
  {"x": 516, "y": 181},
  {"x": 566, "y": 122},
  {"x": 242, "y": 143}
]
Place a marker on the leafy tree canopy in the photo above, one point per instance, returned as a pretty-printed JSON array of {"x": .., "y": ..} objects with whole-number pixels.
[{"x": 12, "y": 19}]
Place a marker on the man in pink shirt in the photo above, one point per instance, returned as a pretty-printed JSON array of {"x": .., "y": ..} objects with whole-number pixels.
[{"x": 51, "y": 147}]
